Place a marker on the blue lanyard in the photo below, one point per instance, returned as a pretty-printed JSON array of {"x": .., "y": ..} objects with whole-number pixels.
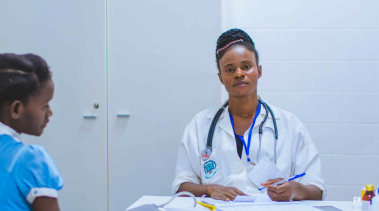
[{"x": 247, "y": 147}]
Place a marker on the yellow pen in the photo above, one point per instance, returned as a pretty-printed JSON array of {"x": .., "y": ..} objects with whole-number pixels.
[{"x": 211, "y": 207}]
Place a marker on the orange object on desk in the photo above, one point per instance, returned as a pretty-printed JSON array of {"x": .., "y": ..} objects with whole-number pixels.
[{"x": 367, "y": 198}]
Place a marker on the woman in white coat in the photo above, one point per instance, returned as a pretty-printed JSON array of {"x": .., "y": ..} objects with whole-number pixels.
[{"x": 224, "y": 174}]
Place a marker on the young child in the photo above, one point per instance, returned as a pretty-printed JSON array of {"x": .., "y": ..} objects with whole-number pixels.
[{"x": 29, "y": 179}]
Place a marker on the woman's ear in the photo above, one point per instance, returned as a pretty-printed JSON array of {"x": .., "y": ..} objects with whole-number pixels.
[
  {"x": 220, "y": 77},
  {"x": 259, "y": 71},
  {"x": 16, "y": 109}
]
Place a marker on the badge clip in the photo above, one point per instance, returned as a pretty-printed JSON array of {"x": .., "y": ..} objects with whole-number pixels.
[{"x": 206, "y": 154}]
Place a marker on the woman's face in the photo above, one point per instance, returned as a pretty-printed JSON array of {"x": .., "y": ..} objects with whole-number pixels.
[{"x": 239, "y": 71}]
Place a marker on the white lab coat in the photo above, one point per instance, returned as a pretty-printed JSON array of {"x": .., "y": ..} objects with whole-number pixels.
[{"x": 296, "y": 152}]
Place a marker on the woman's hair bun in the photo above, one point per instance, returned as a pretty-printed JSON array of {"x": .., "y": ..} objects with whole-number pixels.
[{"x": 234, "y": 37}]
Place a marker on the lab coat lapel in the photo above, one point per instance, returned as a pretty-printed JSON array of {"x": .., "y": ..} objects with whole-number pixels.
[
  {"x": 225, "y": 123},
  {"x": 260, "y": 117}
]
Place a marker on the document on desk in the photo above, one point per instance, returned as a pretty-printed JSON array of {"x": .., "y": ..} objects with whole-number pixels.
[
  {"x": 283, "y": 206},
  {"x": 239, "y": 200},
  {"x": 252, "y": 200},
  {"x": 263, "y": 171}
]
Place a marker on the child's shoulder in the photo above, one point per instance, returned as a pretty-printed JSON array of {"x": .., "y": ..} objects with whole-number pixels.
[
  {"x": 35, "y": 151},
  {"x": 37, "y": 168},
  {"x": 22, "y": 158},
  {"x": 35, "y": 156},
  {"x": 34, "y": 172},
  {"x": 14, "y": 153}
]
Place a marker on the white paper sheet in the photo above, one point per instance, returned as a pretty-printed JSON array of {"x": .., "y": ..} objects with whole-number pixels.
[
  {"x": 263, "y": 171},
  {"x": 260, "y": 199},
  {"x": 240, "y": 198},
  {"x": 280, "y": 207}
]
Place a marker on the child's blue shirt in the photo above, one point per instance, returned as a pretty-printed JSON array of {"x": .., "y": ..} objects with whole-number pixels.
[{"x": 26, "y": 172}]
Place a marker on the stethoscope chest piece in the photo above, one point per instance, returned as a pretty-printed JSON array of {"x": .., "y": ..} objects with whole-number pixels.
[{"x": 206, "y": 154}]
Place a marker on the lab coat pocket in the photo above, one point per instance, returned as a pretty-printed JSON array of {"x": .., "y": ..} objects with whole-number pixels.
[{"x": 210, "y": 169}]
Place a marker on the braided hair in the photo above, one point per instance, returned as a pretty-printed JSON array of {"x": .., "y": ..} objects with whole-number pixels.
[
  {"x": 234, "y": 37},
  {"x": 21, "y": 76}
]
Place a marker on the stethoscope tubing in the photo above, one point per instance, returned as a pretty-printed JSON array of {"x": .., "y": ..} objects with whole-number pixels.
[
  {"x": 213, "y": 125},
  {"x": 268, "y": 109},
  {"x": 260, "y": 132}
]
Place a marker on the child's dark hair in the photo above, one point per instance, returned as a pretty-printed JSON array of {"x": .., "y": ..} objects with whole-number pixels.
[
  {"x": 21, "y": 76},
  {"x": 234, "y": 37}
]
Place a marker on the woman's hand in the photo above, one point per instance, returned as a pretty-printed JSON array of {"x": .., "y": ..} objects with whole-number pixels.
[
  {"x": 223, "y": 193},
  {"x": 292, "y": 190},
  {"x": 282, "y": 192}
]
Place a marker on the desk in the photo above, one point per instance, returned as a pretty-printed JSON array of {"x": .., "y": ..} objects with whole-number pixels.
[{"x": 187, "y": 202}]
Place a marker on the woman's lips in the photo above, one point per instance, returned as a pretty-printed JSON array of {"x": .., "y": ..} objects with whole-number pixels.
[{"x": 240, "y": 83}]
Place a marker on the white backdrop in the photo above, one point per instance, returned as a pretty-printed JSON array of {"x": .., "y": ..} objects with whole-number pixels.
[{"x": 320, "y": 62}]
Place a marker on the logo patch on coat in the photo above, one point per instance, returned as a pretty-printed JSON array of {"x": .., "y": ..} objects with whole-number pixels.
[{"x": 210, "y": 169}]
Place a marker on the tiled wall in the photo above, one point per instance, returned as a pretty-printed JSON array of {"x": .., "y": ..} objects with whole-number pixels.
[{"x": 320, "y": 62}]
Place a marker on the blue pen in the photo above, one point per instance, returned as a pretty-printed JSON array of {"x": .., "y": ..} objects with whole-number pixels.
[{"x": 285, "y": 180}]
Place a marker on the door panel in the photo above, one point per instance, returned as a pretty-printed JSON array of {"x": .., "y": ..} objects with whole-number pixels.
[
  {"x": 162, "y": 72},
  {"x": 70, "y": 35}
]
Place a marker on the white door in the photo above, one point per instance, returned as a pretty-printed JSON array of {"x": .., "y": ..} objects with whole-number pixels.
[
  {"x": 161, "y": 72},
  {"x": 70, "y": 35}
]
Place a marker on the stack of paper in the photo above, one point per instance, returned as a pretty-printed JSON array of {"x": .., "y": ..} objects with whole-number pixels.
[
  {"x": 284, "y": 206},
  {"x": 238, "y": 201},
  {"x": 256, "y": 202}
]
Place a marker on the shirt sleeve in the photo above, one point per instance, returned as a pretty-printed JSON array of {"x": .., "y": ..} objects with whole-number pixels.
[
  {"x": 186, "y": 168},
  {"x": 308, "y": 160},
  {"x": 36, "y": 174}
]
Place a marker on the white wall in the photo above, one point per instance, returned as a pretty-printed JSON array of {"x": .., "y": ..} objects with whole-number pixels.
[
  {"x": 320, "y": 62},
  {"x": 161, "y": 71}
]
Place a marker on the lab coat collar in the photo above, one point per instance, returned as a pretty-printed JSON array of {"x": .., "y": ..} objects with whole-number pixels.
[
  {"x": 6, "y": 130},
  {"x": 225, "y": 124},
  {"x": 262, "y": 114},
  {"x": 224, "y": 120}
]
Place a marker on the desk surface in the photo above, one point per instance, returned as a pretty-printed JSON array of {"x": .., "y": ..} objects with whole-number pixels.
[{"x": 186, "y": 202}]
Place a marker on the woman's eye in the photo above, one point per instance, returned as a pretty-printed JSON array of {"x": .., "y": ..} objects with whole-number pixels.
[
  {"x": 229, "y": 70},
  {"x": 246, "y": 67}
]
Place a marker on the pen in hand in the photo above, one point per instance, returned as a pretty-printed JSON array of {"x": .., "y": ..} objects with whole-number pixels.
[{"x": 284, "y": 180}]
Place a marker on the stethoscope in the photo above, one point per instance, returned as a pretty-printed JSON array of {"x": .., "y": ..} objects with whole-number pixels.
[{"x": 206, "y": 153}]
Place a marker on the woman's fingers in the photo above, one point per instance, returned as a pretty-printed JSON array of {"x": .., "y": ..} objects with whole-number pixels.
[
  {"x": 272, "y": 188},
  {"x": 271, "y": 181},
  {"x": 221, "y": 196},
  {"x": 280, "y": 193},
  {"x": 226, "y": 193},
  {"x": 225, "y": 198},
  {"x": 231, "y": 196},
  {"x": 277, "y": 197},
  {"x": 238, "y": 192},
  {"x": 278, "y": 189}
]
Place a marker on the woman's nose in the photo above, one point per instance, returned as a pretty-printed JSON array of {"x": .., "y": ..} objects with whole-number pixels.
[{"x": 239, "y": 73}]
